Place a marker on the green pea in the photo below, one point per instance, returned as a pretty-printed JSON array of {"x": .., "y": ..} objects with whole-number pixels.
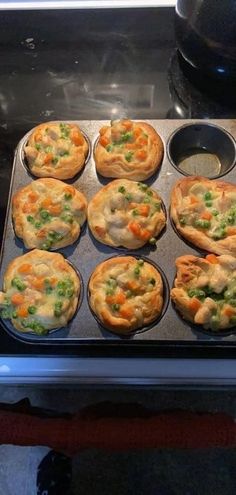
[
  {"x": 219, "y": 234},
  {"x": 110, "y": 292},
  {"x": 65, "y": 131},
  {"x": 115, "y": 307},
  {"x": 215, "y": 322},
  {"x": 128, "y": 294},
  {"x": 44, "y": 214},
  {"x": 149, "y": 192},
  {"x": 66, "y": 217},
  {"x": 18, "y": 283},
  {"x": 38, "y": 225},
  {"x": 46, "y": 245},
  {"x": 122, "y": 189},
  {"x": 230, "y": 219},
  {"x": 215, "y": 213},
  {"x": 207, "y": 196},
  {"x": 127, "y": 136},
  {"x": 64, "y": 153},
  {"x": 182, "y": 221},
  {"x": 203, "y": 224},
  {"x": 147, "y": 200},
  {"x": 152, "y": 281},
  {"x": 140, "y": 262},
  {"x": 55, "y": 160},
  {"x": 208, "y": 204},
  {"x": 58, "y": 309},
  {"x": 109, "y": 148},
  {"x": 30, "y": 219},
  {"x": 37, "y": 327},
  {"x": 128, "y": 197},
  {"x": 135, "y": 213},
  {"x": 67, "y": 196},
  {"x": 38, "y": 147},
  {"x": 137, "y": 271},
  {"x": 152, "y": 241},
  {"x": 129, "y": 156},
  {"x": 142, "y": 186},
  {"x": 228, "y": 294},
  {"x": 14, "y": 314},
  {"x": 200, "y": 294},
  {"x": 157, "y": 206},
  {"x": 48, "y": 287},
  {"x": 112, "y": 283},
  {"x": 32, "y": 310}
]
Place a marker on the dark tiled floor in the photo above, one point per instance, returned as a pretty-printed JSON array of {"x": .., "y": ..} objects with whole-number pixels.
[{"x": 149, "y": 472}]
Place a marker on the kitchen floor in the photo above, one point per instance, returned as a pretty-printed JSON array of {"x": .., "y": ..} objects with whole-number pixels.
[{"x": 144, "y": 472}]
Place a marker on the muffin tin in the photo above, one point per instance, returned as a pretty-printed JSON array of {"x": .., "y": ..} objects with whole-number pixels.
[{"x": 182, "y": 140}]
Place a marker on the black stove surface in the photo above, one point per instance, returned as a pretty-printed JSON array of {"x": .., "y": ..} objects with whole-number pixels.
[{"x": 96, "y": 64}]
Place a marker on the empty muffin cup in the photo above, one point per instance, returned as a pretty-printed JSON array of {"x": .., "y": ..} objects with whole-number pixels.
[{"x": 202, "y": 149}]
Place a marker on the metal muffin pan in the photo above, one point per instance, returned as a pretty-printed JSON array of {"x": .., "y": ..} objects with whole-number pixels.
[{"x": 87, "y": 253}]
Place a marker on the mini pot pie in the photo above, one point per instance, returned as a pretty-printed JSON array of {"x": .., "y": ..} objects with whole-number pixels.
[
  {"x": 126, "y": 294},
  {"x": 48, "y": 214},
  {"x": 126, "y": 213},
  {"x": 205, "y": 290},
  {"x": 40, "y": 292},
  {"x": 129, "y": 150},
  {"x": 56, "y": 149},
  {"x": 204, "y": 213}
]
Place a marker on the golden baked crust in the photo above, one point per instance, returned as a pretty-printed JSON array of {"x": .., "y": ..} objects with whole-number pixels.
[
  {"x": 126, "y": 213},
  {"x": 48, "y": 214},
  {"x": 129, "y": 150},
  {"x": 205, "y": 290},
  {"x": 126, "y": 294},
  {"x": 56, "y": 149},
  {"x": 40, "y": 292},
  {"x": 204, "y": 213}
]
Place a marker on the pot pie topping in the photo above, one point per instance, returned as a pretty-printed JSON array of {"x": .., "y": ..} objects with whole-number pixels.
[
  {"x": 126, "y": 138},
  {"x": 130, "y": 215},
  {"x": 55, "y": 146},
  {"x": 210, "y": 210},
  {"x": 205, "y": 290},
  {"x": 51, "y": 211},
  {"x": 40, "y": 294},
  {"x": 126, "y": 293}
]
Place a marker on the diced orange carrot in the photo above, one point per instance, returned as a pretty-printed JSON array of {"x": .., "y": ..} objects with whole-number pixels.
[
  {"x": 17, "y": 298},
  {"x": 145, "y": 235},
  {"x": 228, "y": 311},
  {"x": 42, "y": 233},
  {"x": 116, "y": 299},
  {"x": 53, "y": 280},
  {"x": 38, "y": 282},
  {"x": 127, "y": 124},
  {"x": 104, "y": 141},
  {"x": 46, "y": 203},
  {"x": 28, "y": 208},
  {"x": 100, "y": 230},
  {"x": 135, "y": 228},
  {"x": 193, "y": 199},
  {"x": 33, "y": 196},
  {"x": 70, "y": 190},
  {"x": 194, "y": 304},
  {"x": 212, "y": 258},
  {"x": 142, "y": 141},
  {"x": 48, "y": 158},
  {"x": 38, "y": 136},
  {"x": 77, "y": 138},
  {"x": 137, "y": 132},
  {"x": 126, "y": 311},
  {"x": 144, "y": 210},
  {"x": 231, "y": 230},
  {"x": 133, "y": 285},
  {"x": 103, "y": 130},
  {"x": 25, "y": 268},
  {"x": 54, "y": 209},
  {"x": 130, "y": 146},
  {"x": 141, "y": 155},
  {"x": 22, "y": 311},
  {"x": 206, "y": 215}
]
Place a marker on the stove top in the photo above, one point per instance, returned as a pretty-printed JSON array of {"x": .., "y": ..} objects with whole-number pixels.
[{"x": 100, "y": 64}]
